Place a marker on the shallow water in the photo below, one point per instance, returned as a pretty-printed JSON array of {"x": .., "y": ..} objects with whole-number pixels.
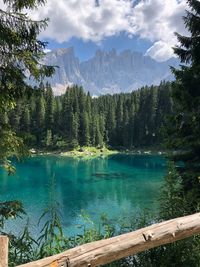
[{"x": 120, "y": 186}]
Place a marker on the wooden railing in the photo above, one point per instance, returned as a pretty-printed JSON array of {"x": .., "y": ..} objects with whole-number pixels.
[
  {"x": 3, "y": 251},
  {"x": 115, "y": 248}
]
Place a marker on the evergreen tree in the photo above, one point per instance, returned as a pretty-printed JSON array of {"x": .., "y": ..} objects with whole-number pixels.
[
  {"x": 102, "y": 131},
  {"x": 49, "y": 138},
  {"x": 111, "y": 123},
  {"x": 40, "y": 117},
  {"x": 98, "y": 133},
  {"x": 49, "y": 118},
  {"x": 85, "y": 130},
  {"x": 25, "y": 121},
  {"x": 18, "y": 44},
  {"x": 141, "y": 114},
  {"x": 74, "y": 130},
  {"x": 126, "y": 134},
  {"x": 57, "y": 115},
  {"x": 119, "y": 121},
  {"x": 184, "y": 133}
]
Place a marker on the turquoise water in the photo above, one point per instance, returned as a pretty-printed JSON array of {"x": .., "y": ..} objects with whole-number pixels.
[{"x": 120, "y": 186}]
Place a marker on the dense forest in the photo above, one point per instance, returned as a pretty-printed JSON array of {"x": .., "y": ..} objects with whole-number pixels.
[
  {"x": 76, "y": 119},
  {"x": 120, "y": 120}
]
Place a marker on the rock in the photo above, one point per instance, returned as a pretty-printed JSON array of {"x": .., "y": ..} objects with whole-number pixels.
[
  {"x": 32, "y": 151},
  {"x": 106, "y": 72}
]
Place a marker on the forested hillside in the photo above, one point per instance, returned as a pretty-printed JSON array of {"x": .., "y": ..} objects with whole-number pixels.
[
  {"x": 44, "y": 121},
  {"x": 75, "y": 118}
]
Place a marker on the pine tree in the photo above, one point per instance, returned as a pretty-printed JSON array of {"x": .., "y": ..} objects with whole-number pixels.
[
  {"x": 49, "y": 138},
  {"x": 98, "y": 133},
  {"x": 25, "y": 121},
  {"x": 119, "y": 121},
  {"x": 57, "y": 115},
  {"x": 19, "y": 43},
  {"x": 184, "y": 133},
  {"x": 111, "y": 123},
  {"x": 49, "y": 118},
  {"x": 40, "y": 118},
  {"x": 74, "y": 130},
  {"x": 20, "y": 53},
  {"x": 102, "y": 130},
  {"x": 98, "y": 123},
  {"x": 85, "y": 130},
  {"x": 126, "y": 134}
]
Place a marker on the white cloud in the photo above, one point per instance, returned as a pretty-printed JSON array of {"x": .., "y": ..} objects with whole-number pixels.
[
  {"x": 46, "y": 50},
  {"x": 157, "y": 20},
  {"x": 2, "y": 5},
  {"x": 154, "y": 20},
  {"x": 85, "y": 19},
  {"x": 160, "y": 51}
]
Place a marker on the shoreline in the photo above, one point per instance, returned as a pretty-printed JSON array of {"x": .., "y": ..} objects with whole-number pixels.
[
  {"x": 80, "y": 153},
  {"x": 92, "y": 152}
]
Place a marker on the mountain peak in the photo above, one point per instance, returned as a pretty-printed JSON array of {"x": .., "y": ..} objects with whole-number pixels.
[{"x": 108, "y": 71}]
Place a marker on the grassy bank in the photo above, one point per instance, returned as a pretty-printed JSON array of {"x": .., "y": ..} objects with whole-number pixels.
[
  {"x": 93, "y": 152},
  {"x": 89, "y": 152},
  {"x": 81, "y": 152}
]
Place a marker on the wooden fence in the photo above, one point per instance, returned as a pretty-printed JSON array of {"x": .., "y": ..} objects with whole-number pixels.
[{"x": 115, "y": 248}]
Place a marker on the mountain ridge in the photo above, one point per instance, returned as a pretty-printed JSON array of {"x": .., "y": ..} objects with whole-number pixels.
[{"x": 107, "y": 71}]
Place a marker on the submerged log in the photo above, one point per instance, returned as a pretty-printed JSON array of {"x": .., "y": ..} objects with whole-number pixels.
[
  {"x": 3, "y": 251},
  {"x": 115, "y": 248}
]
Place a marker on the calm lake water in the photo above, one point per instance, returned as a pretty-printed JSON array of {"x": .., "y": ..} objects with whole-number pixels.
[{"x": 120, "y": 186}]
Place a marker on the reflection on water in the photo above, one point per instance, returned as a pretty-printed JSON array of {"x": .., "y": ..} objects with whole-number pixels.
[
  {"x": 119, "y": 186},
  {"x": 110, "y": 175}
]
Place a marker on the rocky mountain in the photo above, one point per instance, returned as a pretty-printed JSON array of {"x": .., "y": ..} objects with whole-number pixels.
[{"x": 107, "y": 72}]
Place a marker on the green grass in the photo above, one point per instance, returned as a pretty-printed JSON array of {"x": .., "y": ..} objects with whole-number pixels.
[{"x": 88, "y": 152}]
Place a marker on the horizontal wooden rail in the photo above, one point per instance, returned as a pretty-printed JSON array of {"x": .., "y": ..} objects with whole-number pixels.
[
  {"x": 115, "y": 248},
  {"x": 3, "y": 251}
]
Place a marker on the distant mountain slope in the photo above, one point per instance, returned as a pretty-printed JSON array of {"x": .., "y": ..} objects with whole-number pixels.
[{"x": 107, "y": 72}]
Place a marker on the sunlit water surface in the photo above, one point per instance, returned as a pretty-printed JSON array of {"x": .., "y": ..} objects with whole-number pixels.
[{"x": 120, "y": 186}]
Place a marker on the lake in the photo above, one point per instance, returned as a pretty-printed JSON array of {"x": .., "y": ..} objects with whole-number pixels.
[{"x": 120, "y": 186}]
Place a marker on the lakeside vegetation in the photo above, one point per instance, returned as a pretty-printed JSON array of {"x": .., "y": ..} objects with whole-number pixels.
[
  {"x": 79, "y": 152},
  {"x": 127, "y": 120},
  {"x": 131, "y": 120}
]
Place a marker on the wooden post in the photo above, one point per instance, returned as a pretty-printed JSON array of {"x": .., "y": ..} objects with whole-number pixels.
[
  {"x": 115, "y": 248},
  {"x": 3, "y": 251}
]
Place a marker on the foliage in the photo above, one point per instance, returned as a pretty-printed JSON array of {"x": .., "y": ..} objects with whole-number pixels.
[
  {"x": 76, "y": 119},
  {"x": 183, "y": 132},
  {"x": 20, "y": 49},
  {"x": 172, "y": 201},
  {"x": 25, "y": 248},
  {"x": 20, "y": 53},
  {"x": 22, "y": 248},
  {"x": 10, "y": 209},
  {"x": 10, "y": 145},
  {"x": 173, "y": 204},
  {"x": 120, "y": 120},
  {"x": 52, "y": 240}
]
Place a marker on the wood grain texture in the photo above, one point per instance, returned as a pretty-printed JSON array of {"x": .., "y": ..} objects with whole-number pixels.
[
  {"x": 108, "y": 250},
  {"x": 3, "y": 251}
]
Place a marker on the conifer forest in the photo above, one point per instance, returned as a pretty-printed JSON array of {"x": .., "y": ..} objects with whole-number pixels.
[{"x": 76, "y": 167}]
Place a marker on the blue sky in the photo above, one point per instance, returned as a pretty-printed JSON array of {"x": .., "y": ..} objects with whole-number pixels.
[{"x": 147, "y": 26}]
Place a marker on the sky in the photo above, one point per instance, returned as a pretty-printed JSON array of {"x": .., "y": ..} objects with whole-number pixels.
[{"x": 147, "y": 26}]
